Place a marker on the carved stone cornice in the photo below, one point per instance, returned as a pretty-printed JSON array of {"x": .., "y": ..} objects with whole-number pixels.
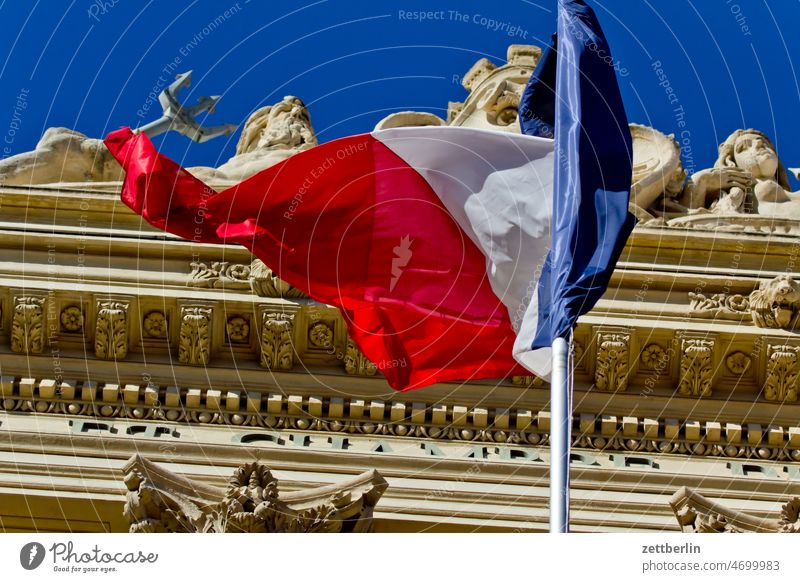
[
  {"x": 111, "y": 330},
  {"x": 194, "y": 342},
  {"x": 160, "y": 501},
  {"x": 697, "y": 514},
  {"x": 411, "y": 418},
  {"x": 158, "y": 326},
  {"x": 277, "y": 333},
  {"x": 27, "y": 325}
]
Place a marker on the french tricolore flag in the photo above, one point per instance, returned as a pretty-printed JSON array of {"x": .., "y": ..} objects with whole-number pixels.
[{"x": 453, "y": 253}]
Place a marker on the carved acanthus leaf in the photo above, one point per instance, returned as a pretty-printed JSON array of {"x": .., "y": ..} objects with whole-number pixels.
[
  {"x": 788, "y": 520},
  {"x": 277, "y": 351},
  {"x": 696, "y": 367},
  {"x": 783, "y": 367},
  {"x": 194, "y": 345},
  {"x": 111, "y": 330},
  {"x": 611, "y": 371},
  {"x": 356, "y": 363},
  {"x": 27, "y": 325}
]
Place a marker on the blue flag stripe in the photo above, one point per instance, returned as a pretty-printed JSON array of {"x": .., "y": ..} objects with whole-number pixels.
[{"x": 573, "y": 95}]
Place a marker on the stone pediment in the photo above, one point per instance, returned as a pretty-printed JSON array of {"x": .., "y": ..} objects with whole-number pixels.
[
  {"x": 159, "y": 501},
  {"x": 698, "y": 514}
]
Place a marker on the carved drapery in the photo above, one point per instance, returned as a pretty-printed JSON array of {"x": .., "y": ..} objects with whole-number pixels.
[
  {"x": 27, "y": 325},
  {"x": 111, "y": 330},
  {"x": 277, "y": 352},
  {"x": 719, "y": 306},
  {"x": 194, "y": 343},
  {"x": 160, "y": 501},
  {"x": 219, "y": 275},
  {"x": 256, "y": 276},
  {"x": 264, "y": 283}
]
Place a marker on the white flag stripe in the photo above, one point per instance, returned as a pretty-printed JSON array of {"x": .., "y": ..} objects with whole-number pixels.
[{"x": 498, "y": 187}]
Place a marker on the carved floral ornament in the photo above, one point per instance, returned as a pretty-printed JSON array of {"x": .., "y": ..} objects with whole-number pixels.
[
  {"x": 219, "y": 275},
  {"x": 738, "y": 363},
  {"x": 155, "y": 324},
  {"x": 238, "y": 329},
  {"x": 654, "y": 357},
  {"x": 71, "y": 319},
  {"x": 320, "y": 335}
]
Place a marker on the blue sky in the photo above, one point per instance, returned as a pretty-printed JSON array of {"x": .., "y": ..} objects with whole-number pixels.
[{"x": 90, "y": 64}]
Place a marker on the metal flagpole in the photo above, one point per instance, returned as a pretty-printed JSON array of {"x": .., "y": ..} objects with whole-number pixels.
[{"x": 560, "y": 425}]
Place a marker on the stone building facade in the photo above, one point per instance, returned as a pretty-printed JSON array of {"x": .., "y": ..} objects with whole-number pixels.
[{"x": 150, "y": 383}]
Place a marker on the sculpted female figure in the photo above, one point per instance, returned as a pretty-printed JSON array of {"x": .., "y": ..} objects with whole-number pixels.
[{"x": 748, "y": 177}]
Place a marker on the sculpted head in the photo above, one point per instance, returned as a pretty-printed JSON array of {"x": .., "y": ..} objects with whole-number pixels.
[
  {"x": 752, "y": 150},
  {"x": 285, "y": 125}
]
